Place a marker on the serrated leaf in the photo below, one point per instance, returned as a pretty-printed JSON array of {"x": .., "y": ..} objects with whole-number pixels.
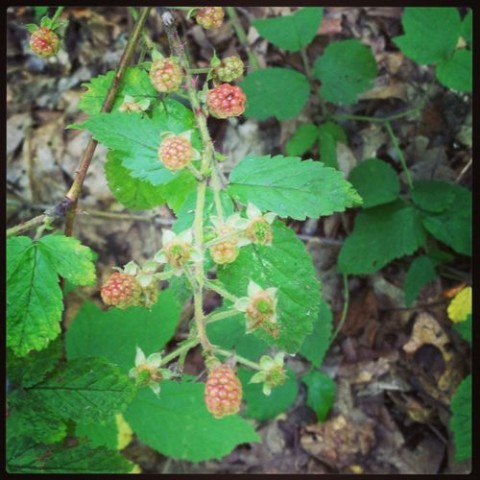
[
  {"x": 465, "y": 329},
  {"x": 433, "y": 195},
  {"x": 291, "y": 32},
  {"x": 33, "y": 368},
  {"x": 346, "y": 69},
  {"x": 376, "y": 182},
  {"x": 287, "y": 266},
  {"x": 321, "y": 393},
  {"x": 91, "y": 331},
  {"x": 461, "y": 305},
  {"x": 467, "y": 28},
  {"x": 381, "y": 234},
  {"x": 136, "y": 137},
  {"x": 69, "y": 258},
  {"x": 421, "y": 272},
  {"x": 135, "y": 83},
  {"x": 302, "y": 140},
  {"x": 178, "y": 425},
  {"x": 457, "y": 72},
  {"x": 291, "y": 187},
  {"x": 461, "y": 420},
  {"x": 316, "y": 344},
  {"x": 87, "y": 388},
  {"x": 454, "y": 225},
  {"x": 264, "y": 407},
  {"x": 431, "y": 34},
  {"x": 275, "y": 92},
  {"x": 26, "y": 456}
]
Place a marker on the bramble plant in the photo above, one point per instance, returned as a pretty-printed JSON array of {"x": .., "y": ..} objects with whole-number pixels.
[{"x": 111, "y": 374}]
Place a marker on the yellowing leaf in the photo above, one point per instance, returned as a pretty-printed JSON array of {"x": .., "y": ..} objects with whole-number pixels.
[
  {"x": 125, "y": 433},
  {"x": 461, "y": 306}
]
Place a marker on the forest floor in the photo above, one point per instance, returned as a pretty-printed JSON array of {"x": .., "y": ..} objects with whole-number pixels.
[{"x": 395, "y": 368}]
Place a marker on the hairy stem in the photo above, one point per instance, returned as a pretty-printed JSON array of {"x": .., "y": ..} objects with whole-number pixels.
[
  {"x": 221, "y": 291},
  {"x": 217, "y": 316},
  {"x": 238, "y": 358},
  {"x": 183, "y": 348}
]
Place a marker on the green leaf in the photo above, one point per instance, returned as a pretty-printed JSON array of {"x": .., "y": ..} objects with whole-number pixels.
[
  {"x": 91, "y": 331},
  {"x": 465, "y": 329},
  {"x": 376, "y": 182},
  {"x": 135, "y": 83},
  {"x": 381, "y": 234},
  {"x": 291, "y": 32},
  {"x": 346, "y": 69},
  {"x": 33, "y": 368},
  {"x": 291, "y": 187},
  {"x": 34, "y": 298},
  {"x": 454, "y": 225},
  {"x": 136, "y": 137},
  {"x": 431, "y": 34},
  {"x": 461, "y": 420},
  {"x": 26, "y": 456},
  {"x": 69, "y": 258},
  {"x": 327, "y": 147},
  {"x": 457, "y": 72},
  {"x": 87, "y": 388},
  {"x": 302, "y": 140},
  {"x": 421, "y": 272},
  {"x": 433, "y": 195},
  {"x": 99, "y": 434},
  {"x": 287, "y": 266},
  {"x": 178, "y": 425},
  {"x": 263, "y": 407},
  {"x": 317, "y": 343},
  {"x": 467, "y": 28},
  {"x": 275, "y": 92},
  {"x": 321, "y": 393}
]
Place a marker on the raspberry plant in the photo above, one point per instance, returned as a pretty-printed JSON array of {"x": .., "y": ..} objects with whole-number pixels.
[{"x": 230, "y": 236}]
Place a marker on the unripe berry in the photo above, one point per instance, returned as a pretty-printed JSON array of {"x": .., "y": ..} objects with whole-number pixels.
[
  {"x": 44, "y": 42},
  {"x": 223, "y": 392},
  {"x": 260, "y": 231},
  {"x": 175, "y": 152},
  {"x": 210, "y": 17},
  {"x": 121, "y": 291},
  {"x": 166, "y": 75},
  {"x": 226, "y": 251},
  {"x": 178, "y": 253},
  {"x": 226, "y": 101},
  {"x": 229, "y": 69}
]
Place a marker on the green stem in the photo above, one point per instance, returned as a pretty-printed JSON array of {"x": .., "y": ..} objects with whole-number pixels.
[
  {"x": 199, "y": 70},
  {"x": 217, "y": 316},
  {"x": 238, "y": 358},
  {"x": 57, "y": 14},
  {"x": 399, "y": 153},
  {"x": 346, "y": 294},
  {"x": 365, "y": 118},
  {"x": 221, "y": 239},
  {"x": 216, "y": 187},
  {"x": 181, "y": 349},
  {"x": 242, "y": 36},
  {"x": 213, "y": 286}
]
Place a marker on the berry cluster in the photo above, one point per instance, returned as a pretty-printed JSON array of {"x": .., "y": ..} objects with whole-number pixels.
[
  {"x": 44, "y": 42},
  {"x": 223, "y": 391},
  {"x": 166, "y": 75}
]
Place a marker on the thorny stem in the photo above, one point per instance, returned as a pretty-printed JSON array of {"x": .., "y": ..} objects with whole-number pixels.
[
  {"x": 189, "y": 344},
  {"x": 238, "y": 358},
  {"x": 217, "y": 316},
  {"x": 216, "y": 288},
  {"x": 242, "y": 36},
  {"x": 346, "y": 294},
  {"x": 221, "y": 239}
]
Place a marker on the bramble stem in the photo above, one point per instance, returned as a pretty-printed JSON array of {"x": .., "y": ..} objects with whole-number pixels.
[
  {"x": 238, "y": 358},
  {"x": 242, "y": 36},
  {"x": 221, "y": 239},
  {"x": 189, "y": 344},
  {"x": 401, "y": 157},
  {"x": 346, "y": 294},
  {"x": 217, "y": 316},
  {"x": 58, "y": 12},
  {"x": 213, "y": 286}
]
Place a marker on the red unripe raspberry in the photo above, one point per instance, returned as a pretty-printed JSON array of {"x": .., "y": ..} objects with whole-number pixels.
[
  {"x": 166, "y": 75},
  {"x": 210, "y": 17},
  {"x": 175, "y": 152},
  {"x": 226, "y": 101},
  {"x": 223, "y": 391},
  {"x": 121, "y": 291},
  {"x": 229, "y": 69},
  {"x": 44, "y": 42}
]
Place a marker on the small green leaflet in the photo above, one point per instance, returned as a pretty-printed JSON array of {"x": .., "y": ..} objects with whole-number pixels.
[
  {"x": 467, "y": 28},
  {"x": 321, "y": 393},
  {"x": 302, "y": 140},
  {"x": 457, "y": 72},
  {"x": 91, "y": 331},
  {"x": 178, "y": 425},
  {"x": 135, "y": 83},
  {"x": 136, "y": 137},
  {"x": 433, "y": 195},
  {"x": 421, "y": 272},
  {"x": 381, "y": 234},
  {"x": 465, "y": 329},
  {"x": 376, "y": 182},
  {"x": 87, "y": 388},
  {"x": 34, "y": 298},
  {"x": 287, "y": 266},
  {"x": 461, "y": 420},
  {"x": 329, "y": 134},
  {"x": 263, "y": 407},
  {"x": 275, "y": 92},
  {"x": 346, "y": 69},
  {"x": 26, "y": 456},
  {"x": 431, "y": 34},
  {"x": 291, "y": 187},
  {"x": 291, "y": 32}
]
